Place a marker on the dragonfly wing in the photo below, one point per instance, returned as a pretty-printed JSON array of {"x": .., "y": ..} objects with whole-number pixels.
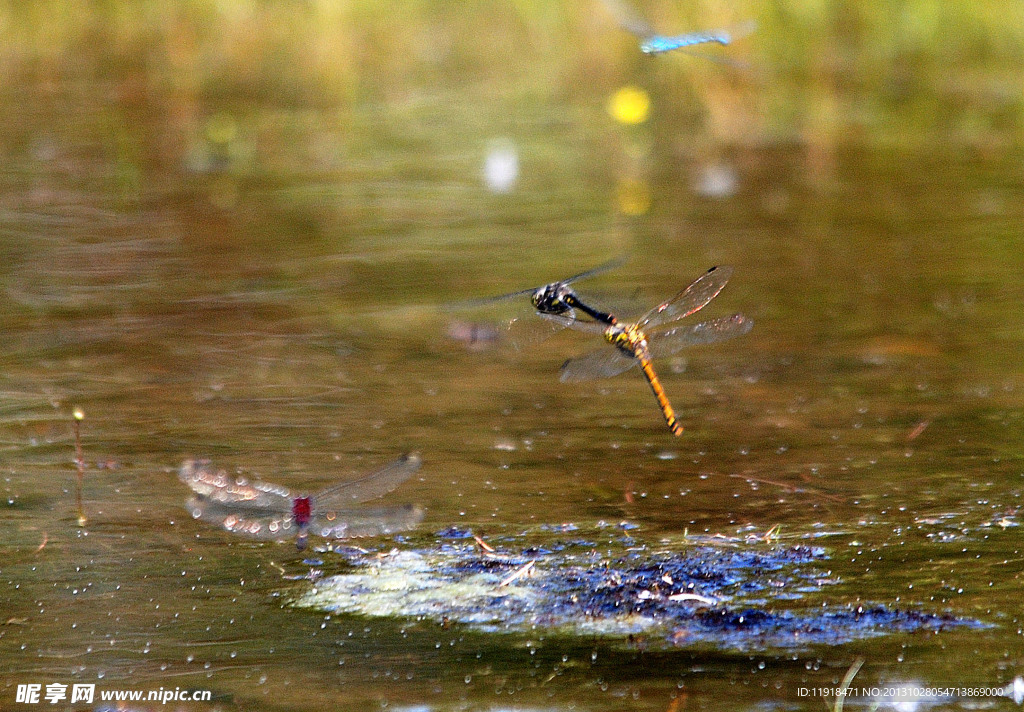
[
  {"x": 345, "y": 524},
  {"x": 220, "y": 487},
  {"x": 524, "y": 332},
  {"x": 597, "y": 364},
  {"x": 561, "y": 321},
  {"x": 669, "y": 342},
  {"x": 243, "y": 521},
  {"x": 692, "y": 299},
  {"x": 736, "y": 32},
  {"x": 627, "y": 19},
  {"x": 609, "y": 265},
  {"x": 376, "y": 484},
  {"x": 487, "y": 301}
]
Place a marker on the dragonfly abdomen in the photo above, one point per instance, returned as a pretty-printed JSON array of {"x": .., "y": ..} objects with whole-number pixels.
[
  {"x": 659, "y": 392},
  {"x": 657, "y": 44},
  {"x": 633, "y": 341}
]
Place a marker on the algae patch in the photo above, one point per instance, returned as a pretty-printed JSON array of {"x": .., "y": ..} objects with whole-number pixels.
[{"x": 722, "y": 597}]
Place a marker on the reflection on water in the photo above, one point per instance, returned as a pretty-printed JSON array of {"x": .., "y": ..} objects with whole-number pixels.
[
  {"x": 501, "y": 167},
  {"x": 224, "y": 240}
]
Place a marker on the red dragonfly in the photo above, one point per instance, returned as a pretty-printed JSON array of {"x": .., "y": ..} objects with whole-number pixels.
[{"x": 267, "y": 511}]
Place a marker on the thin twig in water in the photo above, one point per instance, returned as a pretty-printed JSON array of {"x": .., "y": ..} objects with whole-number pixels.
[
  {"x": 917, "y": 430},
  {"x": 773, "y": 534},
  {"x": 789, "y": 488},
  {"x": 518, "y": 574}
]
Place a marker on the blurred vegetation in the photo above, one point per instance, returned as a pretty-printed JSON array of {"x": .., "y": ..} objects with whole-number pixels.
[
  {"x": 818, "y": 72},
  {"x": 300, "y": 126}
]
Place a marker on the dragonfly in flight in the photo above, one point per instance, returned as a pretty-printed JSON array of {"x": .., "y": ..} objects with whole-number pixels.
[
  {"x": 654, "y": 335},
  {"x": 555, "y": 298},
  {"x": 558, "y": 297},
  {"x": 263, "y": 510},
  {"x": 653, "y": 43}
]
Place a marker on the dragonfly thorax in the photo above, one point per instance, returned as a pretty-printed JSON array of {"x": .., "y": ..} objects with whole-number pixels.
[
  {"x": 629, "y": 339},
  {"x": 302, "y": 510}
]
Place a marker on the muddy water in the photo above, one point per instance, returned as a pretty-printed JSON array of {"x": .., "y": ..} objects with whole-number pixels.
[{"x": 267, "y": 280}]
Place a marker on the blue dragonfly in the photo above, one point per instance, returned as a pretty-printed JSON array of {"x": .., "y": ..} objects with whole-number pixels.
[
  {"x": 657, "y": 44},
  {"x": 652, "y": 42}
]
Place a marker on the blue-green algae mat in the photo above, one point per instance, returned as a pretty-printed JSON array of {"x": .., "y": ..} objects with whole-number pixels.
[{"x": 712, "y": 593}]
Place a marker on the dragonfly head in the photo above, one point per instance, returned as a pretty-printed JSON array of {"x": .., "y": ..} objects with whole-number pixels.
[{"x": 550, "y": 299}]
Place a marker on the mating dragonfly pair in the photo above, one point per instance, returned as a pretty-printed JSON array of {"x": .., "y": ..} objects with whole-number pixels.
[{"x": 653, "y": 335}]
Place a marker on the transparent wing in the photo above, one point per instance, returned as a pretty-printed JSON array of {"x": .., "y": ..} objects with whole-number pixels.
[
  {"x": 520, "y": 333},
  {"x": 609, "y": 265},
  {"x": 374, "y": 485},
  {"x": 487, "y": 301},
  {"x": 627, "y": 19},
  {"x": 243, "y": 521},
  {"x": 597, "y": 364},
  {"x": 341, "y": 524},
  {"x": 219, "y": 487},
  {"x": 692, "y": 299},
  {"x": 562, "y": 321},
  {"x": 476, "y": 303},
  {"x": 366, "y": 522},
  {"x": 669, "y": 342},
  {"x": 525, "y": 332}
]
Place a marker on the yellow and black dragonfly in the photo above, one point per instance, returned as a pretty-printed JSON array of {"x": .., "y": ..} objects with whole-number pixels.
[{"x": 653, "y": 336}]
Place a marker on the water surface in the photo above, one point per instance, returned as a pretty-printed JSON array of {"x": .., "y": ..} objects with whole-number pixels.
[{"x": 249, "y": 259}]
